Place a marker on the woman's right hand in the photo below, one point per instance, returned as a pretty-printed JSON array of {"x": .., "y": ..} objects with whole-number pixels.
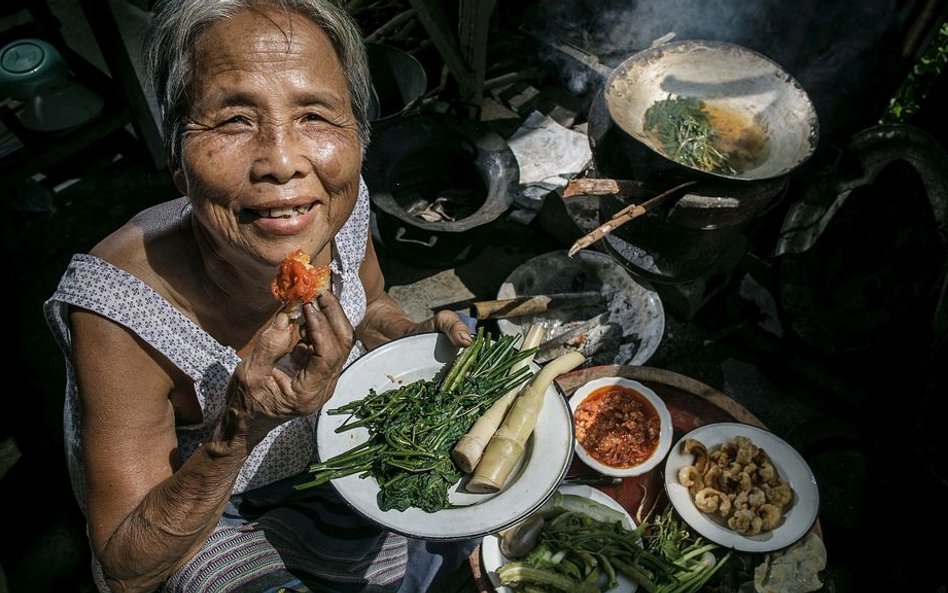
[{"x": 283, "y": 376}]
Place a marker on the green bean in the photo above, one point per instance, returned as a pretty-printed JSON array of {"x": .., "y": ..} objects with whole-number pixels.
[{"x": 661, "y": 555}]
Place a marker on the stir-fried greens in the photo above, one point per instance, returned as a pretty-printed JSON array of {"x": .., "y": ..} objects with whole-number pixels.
[
  {"x": 683, "y": 128},
  {"x": 413, "y": 427}
]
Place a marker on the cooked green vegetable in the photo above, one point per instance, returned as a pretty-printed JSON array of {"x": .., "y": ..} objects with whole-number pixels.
[
  {"x": 686, "y": 134},
  {"x": 516, "y": 573},
  {"x": 576, "y": 552},
  {"x": 560, "y": 503},
  {"x": 412, "y": 428}
]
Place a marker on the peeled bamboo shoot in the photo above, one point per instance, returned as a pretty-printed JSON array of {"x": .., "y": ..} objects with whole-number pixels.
[
  {"x": 468, "y": 450},
  {"x": 506, "y": 447}
]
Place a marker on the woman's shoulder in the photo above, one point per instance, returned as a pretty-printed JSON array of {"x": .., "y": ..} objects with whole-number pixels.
[{"x": 138, "y": 244}]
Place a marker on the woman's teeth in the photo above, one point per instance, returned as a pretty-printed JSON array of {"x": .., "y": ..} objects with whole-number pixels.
[{"x": 284, "y": 212}]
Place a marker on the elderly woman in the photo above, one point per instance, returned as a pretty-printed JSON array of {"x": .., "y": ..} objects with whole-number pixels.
[{"x": 191, "y": 397}]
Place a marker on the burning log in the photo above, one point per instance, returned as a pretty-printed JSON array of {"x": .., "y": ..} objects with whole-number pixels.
[
  {"x": 604, "y": 187},
  {"x": 528, "y": 305},
  {"x": 623, "y": 216}
]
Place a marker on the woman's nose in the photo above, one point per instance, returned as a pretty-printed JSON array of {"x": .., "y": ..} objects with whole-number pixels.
[{"x": 280, "y": 155}]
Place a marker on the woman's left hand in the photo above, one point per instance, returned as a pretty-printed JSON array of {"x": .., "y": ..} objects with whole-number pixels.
[
  {"x": 450, "y": 324},
  {"x": 385, "y": 320}
]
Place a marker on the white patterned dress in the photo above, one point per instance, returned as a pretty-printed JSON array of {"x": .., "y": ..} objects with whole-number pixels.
[{"x": 269, "y": 537}]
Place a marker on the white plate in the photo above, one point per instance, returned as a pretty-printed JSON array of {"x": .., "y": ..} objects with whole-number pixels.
[
  {"x": 789, "y": 465},
  {"x": 547, "y": 456},
  {"x": 493, "y": 558}
]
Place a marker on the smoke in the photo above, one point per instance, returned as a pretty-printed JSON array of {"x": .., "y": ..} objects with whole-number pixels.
[
  {"x": 849, "y": 62},
  {"x": 619, "y": 28},
  {"x": 838, "y": 50}
]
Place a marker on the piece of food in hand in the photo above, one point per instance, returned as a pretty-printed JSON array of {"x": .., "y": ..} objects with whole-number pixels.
[{"x": 297, "y": 283}]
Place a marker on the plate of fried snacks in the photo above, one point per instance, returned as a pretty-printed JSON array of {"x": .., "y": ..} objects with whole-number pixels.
[
  {"x": 741, "y": 487},
  {"x": 385, "y": 439}
]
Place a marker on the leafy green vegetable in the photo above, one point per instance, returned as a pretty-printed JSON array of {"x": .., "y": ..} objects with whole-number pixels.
[
  {"x": 908, "y": 99},
  {"x": 413, "y": 427},
  {"x": 686, "y": 134},
  {"x": 576, "y": 552},
  {"x": 666, "y": 537}
]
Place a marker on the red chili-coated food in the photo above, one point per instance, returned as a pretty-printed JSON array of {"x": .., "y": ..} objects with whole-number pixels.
[
  {"x": 617, "y": 426},
  {"x": 298, "y": 282}
]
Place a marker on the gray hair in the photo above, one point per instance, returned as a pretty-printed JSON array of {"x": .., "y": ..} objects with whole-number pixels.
[{"x": 176, "y": 25}]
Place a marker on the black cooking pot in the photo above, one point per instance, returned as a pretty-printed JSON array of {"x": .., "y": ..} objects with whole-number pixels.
[
  {"x": 398, "y": 81},
  {"x": 434, "y": 179},
  {"x": 691, "y": 239}
]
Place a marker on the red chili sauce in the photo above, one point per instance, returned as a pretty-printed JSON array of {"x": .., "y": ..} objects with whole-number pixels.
[{"x": 617, "y": 426}]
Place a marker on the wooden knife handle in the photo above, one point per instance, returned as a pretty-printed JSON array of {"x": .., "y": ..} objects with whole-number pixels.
[{"x": 530, "y": 305}]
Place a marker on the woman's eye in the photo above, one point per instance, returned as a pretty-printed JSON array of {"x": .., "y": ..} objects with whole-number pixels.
[
  {"x": 235, "y": 120},
  {"x": 312, "y": 117}
]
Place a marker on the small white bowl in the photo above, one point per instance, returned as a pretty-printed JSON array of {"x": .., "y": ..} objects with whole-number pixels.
[{"x": 664, "y": 418}]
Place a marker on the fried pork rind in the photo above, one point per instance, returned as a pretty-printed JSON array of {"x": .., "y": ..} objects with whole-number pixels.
[{"x": 737, "y": 484}]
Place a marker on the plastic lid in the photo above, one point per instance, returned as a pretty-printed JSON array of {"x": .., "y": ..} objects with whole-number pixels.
[{"x": 22, "y": 57}]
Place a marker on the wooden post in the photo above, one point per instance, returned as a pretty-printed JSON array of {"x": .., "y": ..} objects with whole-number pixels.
[
  {"x": 473, "y": 30},
  {"x": 464, "y": 53}
]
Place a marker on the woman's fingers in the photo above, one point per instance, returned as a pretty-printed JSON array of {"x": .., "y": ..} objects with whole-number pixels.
[
  {"x": 327, "y": 327},
  {"x": 451, "y": 325},
  {"x": 448, "y": 323},
  {"x": 274, "y": 343},
  {"x": 336, "y": 316},
  {"x": 330, "y": 340}
]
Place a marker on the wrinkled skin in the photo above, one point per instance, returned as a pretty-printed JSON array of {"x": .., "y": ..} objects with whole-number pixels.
[{"x": 270, "y": 127}]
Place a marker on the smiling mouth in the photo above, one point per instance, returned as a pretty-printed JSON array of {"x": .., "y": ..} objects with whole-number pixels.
[{"x": 286, "y": 212}]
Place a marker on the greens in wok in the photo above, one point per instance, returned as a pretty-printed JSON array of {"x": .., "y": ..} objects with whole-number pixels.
[{"x": 684, "y": 129}]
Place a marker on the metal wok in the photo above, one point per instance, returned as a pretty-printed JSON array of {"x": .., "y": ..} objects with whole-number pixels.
[{"x": 756, "y": 94}]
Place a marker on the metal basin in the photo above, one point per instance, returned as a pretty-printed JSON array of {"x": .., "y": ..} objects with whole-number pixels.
[
  {"x": 633, "y": 317},
  {"x": 751, "y": 95}
]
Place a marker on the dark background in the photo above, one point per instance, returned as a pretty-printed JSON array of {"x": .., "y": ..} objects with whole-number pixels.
[{"x": 885, "y": 460}]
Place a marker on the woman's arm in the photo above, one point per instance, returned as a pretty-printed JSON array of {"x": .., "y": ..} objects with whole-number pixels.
[
  {"x": 385, "y": 319},
  {"x": 148, "y": 512}
]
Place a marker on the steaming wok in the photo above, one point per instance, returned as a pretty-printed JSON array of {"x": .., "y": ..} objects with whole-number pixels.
[{"x": 758, "y": 101}]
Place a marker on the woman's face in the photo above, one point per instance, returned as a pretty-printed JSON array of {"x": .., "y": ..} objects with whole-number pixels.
[{"x": 270, "y": 154}]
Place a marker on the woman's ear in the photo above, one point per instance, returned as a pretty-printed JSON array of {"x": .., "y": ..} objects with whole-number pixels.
[{"x": 177, "y": 175}]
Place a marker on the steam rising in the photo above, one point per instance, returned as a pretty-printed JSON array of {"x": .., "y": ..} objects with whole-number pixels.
[{"x": 838, "y": 50}]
